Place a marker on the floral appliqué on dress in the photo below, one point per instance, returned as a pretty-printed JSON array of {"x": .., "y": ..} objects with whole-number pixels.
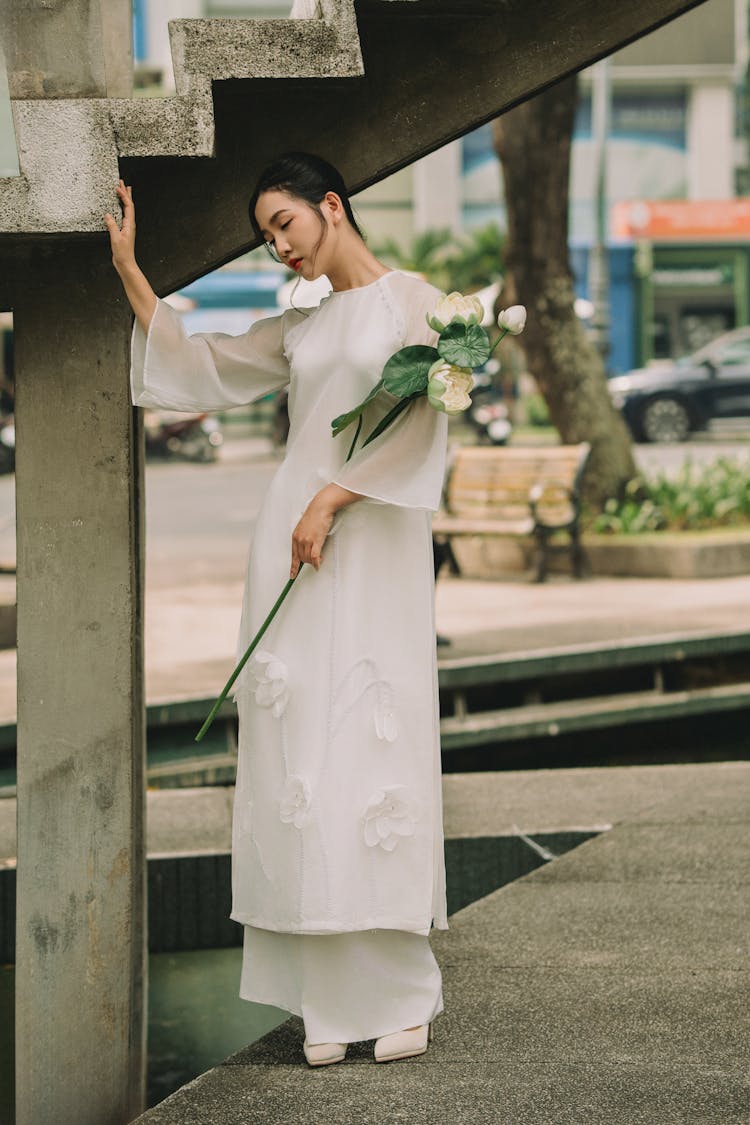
[
  {"x": 363, "y": 679},
  {"x": 294, "y": 807},
  {"x": 390, "y": 813},
  {"x": 271, "y": 676}
]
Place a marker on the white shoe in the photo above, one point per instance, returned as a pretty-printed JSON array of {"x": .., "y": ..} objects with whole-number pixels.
[
  {"x": 320, "y": 1054},
  {"x": 403, "y": 1044}
]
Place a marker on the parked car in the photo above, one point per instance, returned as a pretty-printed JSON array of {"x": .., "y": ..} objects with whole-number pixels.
[{"x": 668, "y": 401}]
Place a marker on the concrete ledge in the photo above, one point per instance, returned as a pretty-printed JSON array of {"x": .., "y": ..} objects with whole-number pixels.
[
  {"x": 610, "y": 985},
  {"x": 474, "y": 804},
  {"x": 685, "y": 554}
]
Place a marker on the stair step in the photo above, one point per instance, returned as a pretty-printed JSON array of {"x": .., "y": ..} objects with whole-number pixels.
[{"x": 543, "y": 720}]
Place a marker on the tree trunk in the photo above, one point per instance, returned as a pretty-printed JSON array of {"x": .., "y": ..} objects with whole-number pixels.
[{"x": 533, "y": 143}]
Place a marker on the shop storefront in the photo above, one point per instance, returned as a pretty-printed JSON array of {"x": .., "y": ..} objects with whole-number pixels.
[{"x": 690, "y": 264}]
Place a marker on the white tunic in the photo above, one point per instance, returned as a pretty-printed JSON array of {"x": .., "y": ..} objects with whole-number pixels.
[{"x": 338, "y": 806}]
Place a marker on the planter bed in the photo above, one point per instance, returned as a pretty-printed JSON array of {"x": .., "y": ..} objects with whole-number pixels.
[{"x": 716, "y": 553}]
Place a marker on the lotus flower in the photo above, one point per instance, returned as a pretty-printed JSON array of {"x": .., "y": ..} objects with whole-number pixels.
[
  {"x": 455, "y": 308},
  {"x": 448, "y": 387}
]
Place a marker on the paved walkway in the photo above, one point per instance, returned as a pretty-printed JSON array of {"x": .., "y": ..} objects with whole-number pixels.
[{"x": 609, "y": 986}]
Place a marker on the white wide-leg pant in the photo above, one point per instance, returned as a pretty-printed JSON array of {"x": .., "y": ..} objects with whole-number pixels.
[{"x": 346, "y": 987}]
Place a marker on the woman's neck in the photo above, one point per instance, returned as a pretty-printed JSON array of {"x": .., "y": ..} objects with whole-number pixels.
[{"x": 354, "y": 267}]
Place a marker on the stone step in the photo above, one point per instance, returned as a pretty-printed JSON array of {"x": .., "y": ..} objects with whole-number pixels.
[{"x": 69, "y": 148}]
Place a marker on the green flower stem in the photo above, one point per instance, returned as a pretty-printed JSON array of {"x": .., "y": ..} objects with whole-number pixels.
[
  {"x": 502, "y": 336},
  {"x": 248, "y": 653},
  {"x": 391, "y": 416},
  {"x": 356, "y": 435}
]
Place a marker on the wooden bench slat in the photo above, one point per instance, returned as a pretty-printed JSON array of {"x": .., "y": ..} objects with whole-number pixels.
[
  {"x": 489, "y": 492},
  {"x": 458, "y": 525}
]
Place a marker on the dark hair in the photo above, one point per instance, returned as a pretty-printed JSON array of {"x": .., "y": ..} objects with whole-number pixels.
[{"x": 305, "y": 176}]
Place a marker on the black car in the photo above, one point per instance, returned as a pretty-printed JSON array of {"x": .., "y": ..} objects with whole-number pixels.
[{"x": 668, "y": 401}]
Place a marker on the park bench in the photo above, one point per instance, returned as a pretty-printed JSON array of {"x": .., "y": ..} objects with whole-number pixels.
[{"x": 514, "y": 491}]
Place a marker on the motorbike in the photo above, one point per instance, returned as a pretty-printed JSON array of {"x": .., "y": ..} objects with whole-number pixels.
[
  {"x": 182, "y": 437},
  {"x": 488, "y": 414}
]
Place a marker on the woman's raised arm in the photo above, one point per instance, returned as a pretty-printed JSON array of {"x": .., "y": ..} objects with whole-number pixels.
[{"x": 122, "y": 239}]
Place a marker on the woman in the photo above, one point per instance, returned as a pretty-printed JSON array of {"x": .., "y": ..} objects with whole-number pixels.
[{"x": 338, "y": 867}]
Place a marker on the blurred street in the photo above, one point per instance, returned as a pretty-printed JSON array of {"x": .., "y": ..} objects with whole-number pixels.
[
  {"x": 200, "y": 521},
  {"x": 199, "y": 518}
]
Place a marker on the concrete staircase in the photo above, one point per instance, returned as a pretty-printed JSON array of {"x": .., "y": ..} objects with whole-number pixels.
[
  {"x": 69, "y": 148},
  {"x": 432, "y": 70}
]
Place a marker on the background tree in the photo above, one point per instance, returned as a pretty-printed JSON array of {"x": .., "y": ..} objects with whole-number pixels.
[
  {"x": 466, "y": 263},
  {"x": 533, "y": 142}
]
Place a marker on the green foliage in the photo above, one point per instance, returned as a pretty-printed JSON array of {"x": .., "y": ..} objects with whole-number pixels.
[
  {"x": 405, "y": 373},
  {"x": 537, "y": 411},
  {"x": 451, "y": 263},
  {"x": 697, "y": 498},
  {"x": 343, "y": 420},
  {"x": 465, "y": 345},
  {"x": 477, "y": 260},
  {"x": 428, "y": 254}
]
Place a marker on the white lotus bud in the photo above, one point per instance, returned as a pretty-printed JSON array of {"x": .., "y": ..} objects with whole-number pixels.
[{"x": 513, "y": 320}]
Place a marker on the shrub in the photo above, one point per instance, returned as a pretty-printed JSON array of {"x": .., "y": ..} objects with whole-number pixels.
[
  {"x": 696, "y": 498},
  {"x": 536, "y": 410}
]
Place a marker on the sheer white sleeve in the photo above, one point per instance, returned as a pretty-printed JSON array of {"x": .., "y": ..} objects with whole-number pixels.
[
  {"x": 404, "y": 465},
  {"x": 208, "y": 370}
]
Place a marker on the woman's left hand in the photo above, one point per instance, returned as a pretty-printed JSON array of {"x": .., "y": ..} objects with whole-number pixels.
[{"x": 310, "y": 534}]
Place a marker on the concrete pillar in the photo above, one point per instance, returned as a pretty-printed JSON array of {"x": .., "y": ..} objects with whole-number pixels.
[
  {"x": 710, "y": 142},
  {"x": 117, "y": 45},
  {"x": 74, "y": 49},
  {"x": 81, "y": 933}
]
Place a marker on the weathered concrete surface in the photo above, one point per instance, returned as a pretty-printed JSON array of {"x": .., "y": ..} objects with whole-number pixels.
[
  {"x": 320, "y": 99},
  {"x": 81, "y": 807},
  {"x": 610, "y": 985}
]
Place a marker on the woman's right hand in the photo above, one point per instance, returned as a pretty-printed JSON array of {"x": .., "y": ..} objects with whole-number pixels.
[
  {"x": 122, "y": 238},
  {"x": 140, "y": 294}
]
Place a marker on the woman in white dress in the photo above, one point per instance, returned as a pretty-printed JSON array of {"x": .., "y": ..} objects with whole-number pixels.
[{"x": 338, "y": 868}]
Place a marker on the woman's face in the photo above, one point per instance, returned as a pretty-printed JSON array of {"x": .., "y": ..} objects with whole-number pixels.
[{"x": 293, "y": 228}]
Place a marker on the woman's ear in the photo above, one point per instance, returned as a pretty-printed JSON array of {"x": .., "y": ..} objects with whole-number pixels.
[{"x": 334, "y": 206}]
